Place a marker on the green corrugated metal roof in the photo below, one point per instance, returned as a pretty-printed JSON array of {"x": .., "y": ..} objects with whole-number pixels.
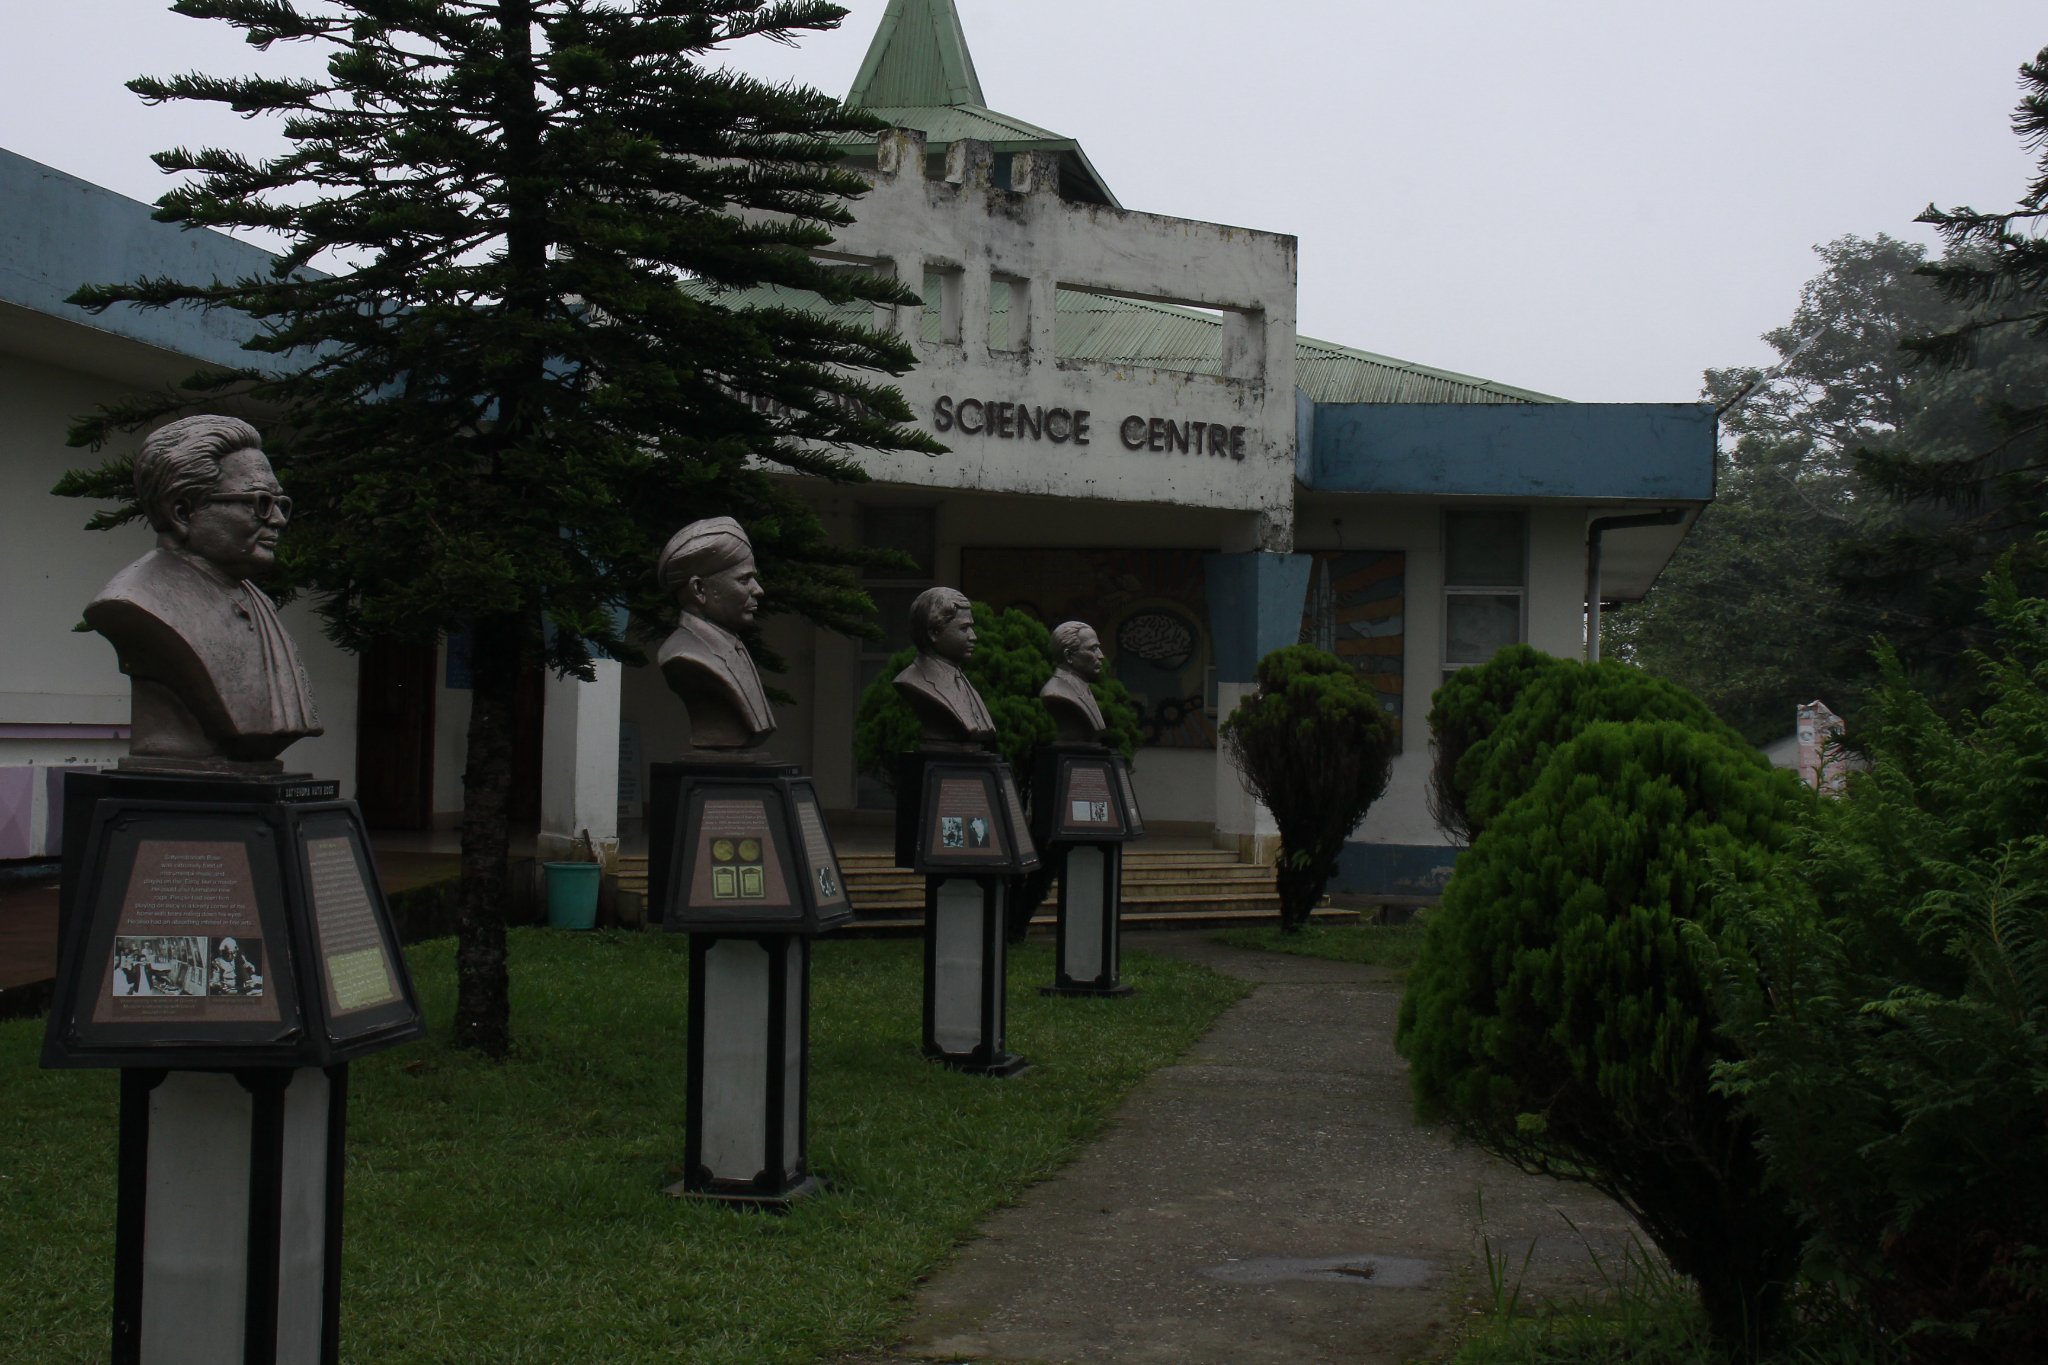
[
  {"x": 1330, "y": 373},
  {"x": 919, "y": 58},
  {"x": 1162, "y": 336},
  {"x": 919, "y": 74},
  {"x": 941, "y": 124}
]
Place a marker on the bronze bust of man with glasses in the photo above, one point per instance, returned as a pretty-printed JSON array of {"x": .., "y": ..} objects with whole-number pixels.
[{"x": 214, "y": 680}]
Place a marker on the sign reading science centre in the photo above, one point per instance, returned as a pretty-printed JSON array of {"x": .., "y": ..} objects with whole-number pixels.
[{"x": 1007, "y": 421}]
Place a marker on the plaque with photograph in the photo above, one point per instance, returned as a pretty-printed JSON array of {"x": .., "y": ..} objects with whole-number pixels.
[
  {"x": 971, "y": 818},
  {"x": 743, "y": 849},
  {"x": 821, "y": 862},
  {"x": 226, "y": 934},
  {"x": 1088, "y": 803}
]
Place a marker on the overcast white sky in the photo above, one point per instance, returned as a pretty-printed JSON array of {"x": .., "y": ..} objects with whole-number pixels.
[{"x": 1592, "y": 198}]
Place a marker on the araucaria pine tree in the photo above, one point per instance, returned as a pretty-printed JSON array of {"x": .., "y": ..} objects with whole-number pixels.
[{"x": 502, "y": 342}]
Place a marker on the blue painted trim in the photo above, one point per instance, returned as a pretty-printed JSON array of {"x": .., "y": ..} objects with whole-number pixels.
[
  {"x": 1255, "y": 606},
  {"x": 1393, "y": 869},
  {"x": 1655, "y": 452},
  {"x": 58, "y": 232}
]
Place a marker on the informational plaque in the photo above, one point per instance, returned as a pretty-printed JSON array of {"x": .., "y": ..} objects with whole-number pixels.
[
  {"x": 215, "y": 933},
  {"x": 962, "y": 824},
  {"x": 1086, "y": 802},
  {"x": 355, "y": 958},
  {"x": 828, "y": 890},
  {"x": 737, "y": 862},
  {"x": 1123, "y": 781},
  {"x": 188, "y": 940},
  {"x": 1015, "y": 805}
]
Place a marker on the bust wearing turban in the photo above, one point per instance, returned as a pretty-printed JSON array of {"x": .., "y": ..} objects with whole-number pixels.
[
  {"x": 709, "y": 566},
  {"x": 213, "y": 679}
]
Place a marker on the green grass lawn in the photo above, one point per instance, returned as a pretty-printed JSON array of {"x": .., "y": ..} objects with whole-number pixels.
[
  {"x": 513, "y": 1212},
  {"x": 1378, "y": 945}
]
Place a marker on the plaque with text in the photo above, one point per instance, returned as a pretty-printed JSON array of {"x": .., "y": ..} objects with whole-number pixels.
[
  {"x": 364, "y": 986},
  {"x": 1134, "y": 822},
  {"x": 971, "y": 818},
  {"x": 214, "y": 933},
  {"x": 963, "y": 823},
  {"x": 744, "y": 849},
  {"x": 1087, "y": 803},
  {"x": 187, "y": 939},
  {"x": 828, "y": 888},
  {"x": 737, "y": 857}
]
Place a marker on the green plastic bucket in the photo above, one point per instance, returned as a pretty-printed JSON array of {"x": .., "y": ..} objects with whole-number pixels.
[{"x": 572, "y": 895}]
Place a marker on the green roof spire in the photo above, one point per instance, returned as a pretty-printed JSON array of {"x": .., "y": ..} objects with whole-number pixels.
[{"x": 919, "y": 59}]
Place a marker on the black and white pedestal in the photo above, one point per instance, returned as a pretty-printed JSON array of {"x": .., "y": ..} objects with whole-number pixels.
[
  {"x": 225, "y": 942},
  {"x": 748, "y": 870},
  {"x": 966, "y": 972},
  {"x": 1086, "y": 811},
  {"x": 960, "y": 821},
  {"x": 746, "y": 1137},
  {"x": 228, "y": 1227},
  {"x": 1089, "y": 955}
]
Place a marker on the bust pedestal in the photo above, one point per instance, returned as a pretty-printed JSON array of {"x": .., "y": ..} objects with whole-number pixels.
[
  {"x": 1086, "y": 810},
  {"x": 740, "y": 860},
  {"x": 233, "y": 1055},
  {"x": 960, "y": 821}
]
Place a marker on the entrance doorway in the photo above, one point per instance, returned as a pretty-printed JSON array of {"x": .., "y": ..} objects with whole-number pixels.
[{"x": 395, "y": 735}]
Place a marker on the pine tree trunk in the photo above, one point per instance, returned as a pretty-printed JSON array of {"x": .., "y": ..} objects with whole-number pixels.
[{"x": 482, "y": 990}]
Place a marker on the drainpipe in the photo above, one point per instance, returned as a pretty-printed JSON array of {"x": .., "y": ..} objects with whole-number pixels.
[{"x": 1599, "y": 527}]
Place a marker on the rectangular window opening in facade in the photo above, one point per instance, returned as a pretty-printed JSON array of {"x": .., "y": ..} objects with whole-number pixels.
[
  {"x": 1486, "y": 574},
  {"x": 940, "y": 322}
]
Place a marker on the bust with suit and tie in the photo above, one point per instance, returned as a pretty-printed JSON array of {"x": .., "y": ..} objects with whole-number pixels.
[
  {"x": 709, "y": 566},
  {"x": 214, "y": 681},
  {"x": 948, "y": 708},
  {"x": 1066, "y": 693}
]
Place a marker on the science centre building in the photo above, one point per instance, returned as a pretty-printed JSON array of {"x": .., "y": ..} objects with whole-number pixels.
[{"x": 1138, "y": 438}]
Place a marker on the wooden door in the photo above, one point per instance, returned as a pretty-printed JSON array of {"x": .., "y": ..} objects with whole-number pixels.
[{"x": 395, "y": 688}]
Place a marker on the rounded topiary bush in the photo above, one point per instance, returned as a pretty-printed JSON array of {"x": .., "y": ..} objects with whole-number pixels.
[
  {"x": 1466, "y": 709},
  {"x": 1562, "y": 1010},
  {"x": 1527, "y": 710},
  {"x": 1314, "y": 746}
]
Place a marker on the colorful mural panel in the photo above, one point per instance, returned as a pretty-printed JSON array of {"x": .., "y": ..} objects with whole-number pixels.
[
  {"x": 1356, "y": 609},
  {"x": 1149, "y": 607}
]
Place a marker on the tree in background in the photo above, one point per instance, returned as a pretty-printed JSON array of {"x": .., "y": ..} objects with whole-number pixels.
[
  {"x": 1748, "y": 616},
  {"x": 1897, "y": 1063},
  {"x": 1013, "y": 658},
  {"x": 524, "y": 368},
  {"x": 1315, "y": 747},
  {"x": 1967, "y": 487}
]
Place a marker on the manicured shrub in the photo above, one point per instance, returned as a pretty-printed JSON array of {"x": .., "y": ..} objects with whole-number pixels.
[
  {"x": 1465, "y": 710},
  {"x": 1561, "y": 1012},
  {"x": 1314, "y": 746},
  {"x": 1898, "y": 1063},
  {"x": 1527, "y": 706}
]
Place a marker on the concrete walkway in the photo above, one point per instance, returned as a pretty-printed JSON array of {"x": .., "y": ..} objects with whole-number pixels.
[{"x": 1269, "y": 1198}]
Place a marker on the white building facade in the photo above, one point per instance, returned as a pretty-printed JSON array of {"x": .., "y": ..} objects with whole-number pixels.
[{"x": 1137, "y": 437}]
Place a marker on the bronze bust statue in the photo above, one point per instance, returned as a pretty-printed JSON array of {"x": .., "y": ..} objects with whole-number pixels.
[
  {"x": 213, "y": 679},
  {"x": 1066, "y": 693},
  {"x": 709, "y": 566},
  {"x": 947, "y": 706}
]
